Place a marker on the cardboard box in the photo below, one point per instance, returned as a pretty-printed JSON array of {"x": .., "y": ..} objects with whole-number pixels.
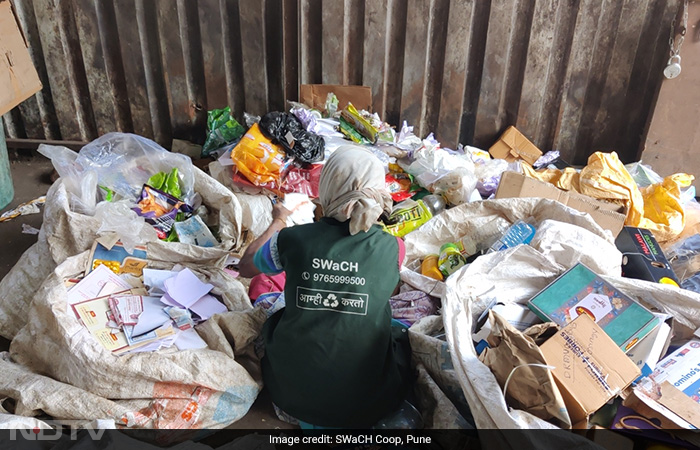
[
  {"x": 609, "y": 216},
  {"x": 589, "y": 368},
  {"x": 18, "y": 76},
  {"x": 642, "y": 257},
  {"x": 674, "y": 386},
  {"x": 314, "y": 95},
  {"x": 513, "y": 145},
  {"x": 581, "y": 292},
  {"x": 653, "y": 346}
]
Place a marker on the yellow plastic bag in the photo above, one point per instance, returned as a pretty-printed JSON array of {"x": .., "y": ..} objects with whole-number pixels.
[
  {"x": 257, "y": 158},
  {"x": 657, "y": 207},
  {"x": 663, "y": 208}
]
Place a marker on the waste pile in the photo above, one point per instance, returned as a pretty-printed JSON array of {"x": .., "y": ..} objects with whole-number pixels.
[{"x": 538, "y": 295}]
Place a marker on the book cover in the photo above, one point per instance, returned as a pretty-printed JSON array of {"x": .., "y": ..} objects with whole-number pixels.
[{"x": 580, "y": 291}]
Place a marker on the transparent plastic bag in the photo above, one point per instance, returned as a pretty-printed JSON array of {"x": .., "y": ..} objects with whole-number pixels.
[
  {"x": 118, "y": 217},
  {"x": 124, "y": 162}
]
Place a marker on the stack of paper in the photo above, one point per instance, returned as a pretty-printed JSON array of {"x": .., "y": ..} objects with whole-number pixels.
[{"x": 125, "y": 322}]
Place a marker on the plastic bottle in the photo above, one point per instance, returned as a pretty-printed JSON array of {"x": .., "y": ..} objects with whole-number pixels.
[
  {"x": 482, "y": 238},
  {"x": 450, "y": 259},
  {"x": 430, "y": 268},
  {"x": 409, "y": 215},
  {"x": 435, "y": 203},
  {"x": 519, "y": 233}
]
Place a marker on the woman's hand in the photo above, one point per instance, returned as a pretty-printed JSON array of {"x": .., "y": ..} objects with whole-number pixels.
[{"x": 279, "y": 212}]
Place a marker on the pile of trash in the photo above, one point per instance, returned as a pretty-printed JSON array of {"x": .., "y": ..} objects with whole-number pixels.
[{"x": 538, "y": 295}]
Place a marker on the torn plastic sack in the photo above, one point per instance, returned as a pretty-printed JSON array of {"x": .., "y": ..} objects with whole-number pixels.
[
  {"x": 65, "y": 233},
  {"x": 519, "y": 273},
  {"x": 209, "y": 388},
  {"x": 222, "y": 129},
  {"x": 286, "y": 130}
]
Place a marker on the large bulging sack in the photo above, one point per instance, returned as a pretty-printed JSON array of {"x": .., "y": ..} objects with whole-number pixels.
[
  {"x": 564, "y": 237},
  {"x": 206, "y": 388},
  {"x": 66, "y": 231}
]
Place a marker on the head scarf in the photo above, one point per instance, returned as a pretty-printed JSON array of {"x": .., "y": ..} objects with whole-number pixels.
[{"x": 352, "y": 187}]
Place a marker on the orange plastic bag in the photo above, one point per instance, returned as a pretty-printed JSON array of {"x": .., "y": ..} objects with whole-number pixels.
[{"x": 257, "y": 158}]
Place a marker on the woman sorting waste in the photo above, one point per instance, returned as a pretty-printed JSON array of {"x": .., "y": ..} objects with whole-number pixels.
[{"x": 332, "y": 357}]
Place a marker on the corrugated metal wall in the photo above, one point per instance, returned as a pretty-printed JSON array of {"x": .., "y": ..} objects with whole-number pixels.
[{"x": 574, "y": 75}]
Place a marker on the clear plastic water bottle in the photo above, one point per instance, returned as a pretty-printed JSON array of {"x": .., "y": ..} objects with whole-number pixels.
[{"x": 519, "y": 233}]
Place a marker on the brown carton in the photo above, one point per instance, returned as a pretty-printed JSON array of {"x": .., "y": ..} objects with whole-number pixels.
[
  {"x": 608, "y": 215},
  {"x": 589, "y": 368},
  {"x": 18, "y": 76},
  {"x": 314, "y": 95},
  {"x": 513, "y": 145}
]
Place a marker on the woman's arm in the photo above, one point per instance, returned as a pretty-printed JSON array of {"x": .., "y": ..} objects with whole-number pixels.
[{"x": 246, "y": 267}]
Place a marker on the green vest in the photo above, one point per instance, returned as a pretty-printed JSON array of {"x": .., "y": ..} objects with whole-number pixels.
[{"x": 332, "y": 357}]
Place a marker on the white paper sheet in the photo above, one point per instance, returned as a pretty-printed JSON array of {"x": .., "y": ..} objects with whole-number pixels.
[
  {"x": 152, "y": 316},
  {"x": 207, "y": 306},
  {"x": 154, "y": 280},
  {"x": 91, "y": 286},
  {"x": 185, "y": 288},
  {"x": 189, "y": 340}
]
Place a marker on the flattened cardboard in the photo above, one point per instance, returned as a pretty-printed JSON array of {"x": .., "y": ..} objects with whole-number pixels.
[
  {"x": 590, "y": 368},
  {"x": 608, "y": 215},
  {"x": 513, "y": 145},
  {"x": 314, "y": 95},
  {"x": 18, "y": 77}
]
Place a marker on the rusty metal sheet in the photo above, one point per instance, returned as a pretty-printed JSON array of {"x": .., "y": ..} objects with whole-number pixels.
[
  {"x": 332, "y": 14},
  {"x": 134, "y": 73},
  {"x": 646, "y": 77},
  {"x": 174, "y": 72},
  {"x": 290, "y": 41},
  {"x": 158, "y": 98},
  {"x": 274, "y": 55},
  {"x": 454, "y": 71},
  {"x": 311, "y": 36},
  {"x": 577, "y": 77},
  {"x": 394, "y": 61},
  {"x": 232, "y": 56},
  {"x": 57, "y": 72},
  {"x": 375, "y": 50},
  {"x": 574, "y": 75},
  {"x": 100, "y": 97},
  {"x": 210, "y": 14},
  {"x": 434, "y": 65},
  {"x": 253, "y": 45},
  {"x": 491, "y": 119},
  {"x": 414, "y": 61}
]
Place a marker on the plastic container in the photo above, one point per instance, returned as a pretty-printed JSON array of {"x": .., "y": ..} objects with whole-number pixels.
[
  {"x": 435, "y": 203},
  {"x": 451, "y": 259},
  {"x": 519, "y": 233},
  {"x": 430, "y": 268},
  {"x": 483, "y": 237},
  {"x": 7, "y": 190}
]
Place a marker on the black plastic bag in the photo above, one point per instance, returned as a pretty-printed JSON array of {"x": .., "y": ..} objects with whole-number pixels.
[{"x": 286, "y": 130}]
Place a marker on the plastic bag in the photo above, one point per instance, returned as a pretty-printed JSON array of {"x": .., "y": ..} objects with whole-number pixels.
[
  {"x": 257, "y": 157},
  {"x": 457, "y": 186},
  {"x": 118, "y": 217},
  {"x": 286, "y": 130},
  {"x": 432, "y": 163},
  {"x": 222, "y": 128},
  {"x": 122, "y": 163}
]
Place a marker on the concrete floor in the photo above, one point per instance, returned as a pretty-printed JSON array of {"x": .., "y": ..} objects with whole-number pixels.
[{"x": 31, "y": 175}]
